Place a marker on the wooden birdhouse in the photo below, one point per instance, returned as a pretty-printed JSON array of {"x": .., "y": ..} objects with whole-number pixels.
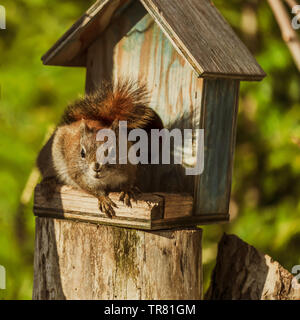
[{"x": 192, "y": 62}]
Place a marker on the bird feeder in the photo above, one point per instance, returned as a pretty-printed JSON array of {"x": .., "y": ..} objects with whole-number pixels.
[{"x": 192, "y": 63}]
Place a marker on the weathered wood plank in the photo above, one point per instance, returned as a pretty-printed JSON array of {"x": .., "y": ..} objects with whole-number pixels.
[
  {"x": 68, "y": 199},
  {"x": 85, "y": 261},
  {"x": 213, "y": 186},
  {"x": 69, "y": 203},
  {"x": 150, "y": 212}
]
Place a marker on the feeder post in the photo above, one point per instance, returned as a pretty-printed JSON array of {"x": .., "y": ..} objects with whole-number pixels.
[{"x": 79, "y": 260}]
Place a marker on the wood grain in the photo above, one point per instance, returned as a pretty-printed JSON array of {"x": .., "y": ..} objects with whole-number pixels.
[
  {"x": 83, "y": 261},
  {"x": 220, "y": 106}
]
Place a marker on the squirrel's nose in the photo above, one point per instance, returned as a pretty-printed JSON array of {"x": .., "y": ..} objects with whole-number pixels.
[{"x": 96, "y": 166}]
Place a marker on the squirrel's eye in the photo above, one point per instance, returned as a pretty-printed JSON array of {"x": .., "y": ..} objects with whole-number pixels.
[{"x": 82, "y": 153}]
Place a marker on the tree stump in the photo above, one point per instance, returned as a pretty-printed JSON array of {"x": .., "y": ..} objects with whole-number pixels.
[
  {"x": 79, "y": 260},
  {"x": 242, "y": 272}
]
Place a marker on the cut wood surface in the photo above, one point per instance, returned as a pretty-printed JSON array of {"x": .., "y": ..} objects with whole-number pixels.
[
  {"x": 85, "y": 261},
  {"x": 242, "y": 272}
]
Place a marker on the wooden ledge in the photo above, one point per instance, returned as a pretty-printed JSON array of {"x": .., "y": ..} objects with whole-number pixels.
[{"x": 152, "y": 211}]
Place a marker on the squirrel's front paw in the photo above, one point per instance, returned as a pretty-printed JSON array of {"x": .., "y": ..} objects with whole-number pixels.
[
  {"x": 127, "y": 196},
  {"x": 106, "y": 206}
]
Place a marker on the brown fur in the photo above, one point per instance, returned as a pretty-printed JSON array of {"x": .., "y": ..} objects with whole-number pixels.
[{"x": 126, "y": 101}]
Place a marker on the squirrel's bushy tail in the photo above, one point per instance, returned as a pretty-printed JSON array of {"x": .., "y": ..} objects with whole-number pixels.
[{"x": 126, "y": 100}]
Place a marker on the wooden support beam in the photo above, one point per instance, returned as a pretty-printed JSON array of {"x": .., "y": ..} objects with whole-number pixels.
[{"x": 77, "y": 260}]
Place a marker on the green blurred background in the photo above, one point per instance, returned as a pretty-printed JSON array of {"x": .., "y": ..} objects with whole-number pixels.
[{"x": 265, "y": 205}]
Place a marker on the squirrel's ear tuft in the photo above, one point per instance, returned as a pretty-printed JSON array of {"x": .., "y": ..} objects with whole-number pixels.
[{"x": 83, "y": 128}]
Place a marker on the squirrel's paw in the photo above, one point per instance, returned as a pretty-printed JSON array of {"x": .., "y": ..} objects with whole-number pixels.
[
  {"x": 127, "y": 196},
  {"x": 106, "y": 205}
]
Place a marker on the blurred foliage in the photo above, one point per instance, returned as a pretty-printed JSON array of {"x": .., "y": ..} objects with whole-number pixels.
[
  {"x": 265, "y": 204},
  {"x": 32, "y": 97}
]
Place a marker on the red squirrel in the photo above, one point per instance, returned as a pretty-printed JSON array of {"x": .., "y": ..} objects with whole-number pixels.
[{"x": 69, "y": 156}]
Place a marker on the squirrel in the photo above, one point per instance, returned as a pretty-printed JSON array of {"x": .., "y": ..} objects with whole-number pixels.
[{"x": 69, "y": 156}]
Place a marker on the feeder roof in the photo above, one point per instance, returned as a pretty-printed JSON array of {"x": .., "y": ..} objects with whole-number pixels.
[{"x": 195, "y": 27}]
